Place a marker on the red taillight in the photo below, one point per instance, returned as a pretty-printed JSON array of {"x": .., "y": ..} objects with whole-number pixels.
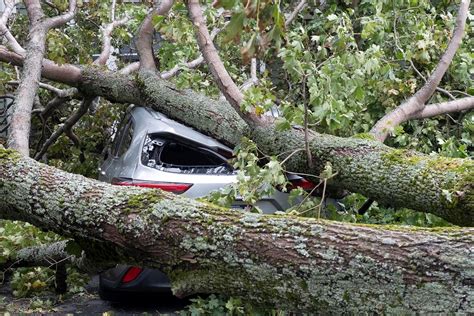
[
  {"x": 131, "y": 274},
  {"x": 301, "y": 183},
  {"x": 177, "y": 188}
]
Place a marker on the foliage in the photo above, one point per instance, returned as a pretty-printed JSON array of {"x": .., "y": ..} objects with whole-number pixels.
[
  {"x": 32, "y": 281},
  {"x": 220, "y": 305}
]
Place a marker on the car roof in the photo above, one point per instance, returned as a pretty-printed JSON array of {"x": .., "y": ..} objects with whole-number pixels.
[{"x": 151, "y": 121}]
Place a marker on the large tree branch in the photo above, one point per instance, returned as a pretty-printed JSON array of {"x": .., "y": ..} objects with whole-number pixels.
[
  {"x": 18, "y": 137},
  {"x": 11, "y": 40},
  {"x": 417, "y": 102},
  {"x": 458, "y": 105},
  {"x": 293, "y": 263},
  {"x": 66, "y": 73},
  {"x": 442, "y": 184},
  {"x": 144, "y": 40},
  {"x": 222, "y": 78},
  {"x": 363, "y": 166}
]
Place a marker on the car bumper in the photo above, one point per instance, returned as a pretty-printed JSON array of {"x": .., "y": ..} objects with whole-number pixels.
[{"x": 149, "y": 281}]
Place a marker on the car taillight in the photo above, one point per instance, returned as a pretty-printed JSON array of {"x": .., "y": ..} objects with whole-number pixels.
[
  {"x": 301, "y": 183},
  {"x": 131, "y": 274},
  {"x": 177, "y": 188}
]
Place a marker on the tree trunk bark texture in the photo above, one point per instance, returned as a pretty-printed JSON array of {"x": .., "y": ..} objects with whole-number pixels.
[
  {"x": 400, "y": 178},
  {"x": 288, "y": 262},
  {"x": 19, "y": 135}
]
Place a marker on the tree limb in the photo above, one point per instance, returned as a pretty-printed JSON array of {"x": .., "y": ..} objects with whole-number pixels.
[
  {"x": 106, "y": 40},
  {"x": 222, "y": 78},
  {"x": 175, "y": 70},
  {"x": 12, "y": 42},
  {"x": 132, "y": 67},
  {"x": 65, "y": 73},
  {"x": 144, "y": 40},
  {"x": 63, "y": 18},
  {"x": 19, "y": 130},
  {"x": 67, "y": 125},
  {"x": 416, "y": 103},
  {"x": 299, "y": 264},
  {"x": 458, "y": 105},
  {"x": 292, "y": 16},
  {"x": 439, "y": 89},
  {"x": 107, "y": 35},
  {"x": 360, "y": 163},
  {"x": 62, "y": 93},
  {"x": 51, "y": 255}
]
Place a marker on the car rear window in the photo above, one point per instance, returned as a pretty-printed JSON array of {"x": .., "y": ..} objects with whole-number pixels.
[{"x": 177, "y": 155}]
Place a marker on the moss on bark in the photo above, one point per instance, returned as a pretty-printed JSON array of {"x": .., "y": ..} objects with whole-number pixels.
[
  {"x": 399, "y": 178},
  {"x": 293, "y": 263}
]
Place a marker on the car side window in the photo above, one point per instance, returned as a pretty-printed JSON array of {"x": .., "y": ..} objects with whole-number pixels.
[
  {"x": 119, "y": 135},
  {"x": 126, "y": 138}
]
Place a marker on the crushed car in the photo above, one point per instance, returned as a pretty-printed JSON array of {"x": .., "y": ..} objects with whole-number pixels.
[{"x": 150, "y": 150}]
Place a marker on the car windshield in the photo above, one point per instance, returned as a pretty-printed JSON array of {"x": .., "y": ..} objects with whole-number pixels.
[{"x": 177, "y": 155}]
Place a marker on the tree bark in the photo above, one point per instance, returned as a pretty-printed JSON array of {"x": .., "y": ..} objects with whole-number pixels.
[
  {"x": 443, "y": 186},
  {"x": 292, "y": 263},
  {"x": 19, "y": 130},
  {"x": 400, "y": 178}
]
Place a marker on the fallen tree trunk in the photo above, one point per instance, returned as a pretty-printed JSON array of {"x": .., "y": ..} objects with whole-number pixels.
[
  {"x": 399, "y": 178},
  {"x": 288, "y": 262}
]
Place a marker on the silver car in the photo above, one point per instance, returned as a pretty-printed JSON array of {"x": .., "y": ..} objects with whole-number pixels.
[{"x": 153, "y": 151}]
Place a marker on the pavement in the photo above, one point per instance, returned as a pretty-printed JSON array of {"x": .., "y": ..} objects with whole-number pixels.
[{"x": 87, "y": 303}]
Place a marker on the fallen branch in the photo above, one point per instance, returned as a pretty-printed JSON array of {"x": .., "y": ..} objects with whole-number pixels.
[
  {"x": 144, "y": 40},
  {"x": 19, "y": 130},
  {"x": 67, "y": 125},
  {"x": 222, "y": 78},
  {"x": 297, "y": 264},
  {"x": 292, "y": 16},
  {"x": 416, "y": 103},
  {"x": 458, "y": 105}
]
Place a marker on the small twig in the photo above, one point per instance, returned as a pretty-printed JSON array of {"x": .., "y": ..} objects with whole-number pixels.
[
  {"x": 306, "y": 198},
  {"x": 67, "y": 125},
  {"x": 306, "y": 136},
  {"x": 424, "y": 79},
  {"x": 253, "y": 80},
  {"x": 290, "y": 155},
  {"x": 299, "y": 7},
  {"x": 323, "y": 196}
]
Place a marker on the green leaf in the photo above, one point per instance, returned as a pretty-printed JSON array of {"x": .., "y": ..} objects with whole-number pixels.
[
  {"x": 157, "y": 19},
  {"x": 235, "y": 26}
]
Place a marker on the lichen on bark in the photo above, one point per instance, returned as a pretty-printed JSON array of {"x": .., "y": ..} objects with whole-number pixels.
[
  {"x": 283, "y": 261},
  {"x": 399, "y": 178}
]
